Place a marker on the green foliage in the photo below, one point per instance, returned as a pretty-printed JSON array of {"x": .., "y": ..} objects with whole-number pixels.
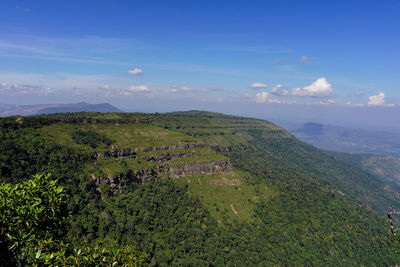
[
  {"x": 91, "y": 138},
  {"x": 387, "y": 168},
  {"x": 32, "y": 214},
  {"x": 29, "y": 212},
  {"x": 99, "y": 254}
]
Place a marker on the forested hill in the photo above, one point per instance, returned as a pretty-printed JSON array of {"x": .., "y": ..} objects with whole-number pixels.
[{"x": 200, "y": 188}]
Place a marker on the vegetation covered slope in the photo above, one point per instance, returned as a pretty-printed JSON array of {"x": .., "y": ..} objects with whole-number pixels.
[
  {"x": 199, "y": 188},
  {"x": 387, "y": 168}
]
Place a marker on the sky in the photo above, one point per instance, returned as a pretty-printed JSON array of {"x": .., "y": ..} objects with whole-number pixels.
[{"x": 334, "y": 61}]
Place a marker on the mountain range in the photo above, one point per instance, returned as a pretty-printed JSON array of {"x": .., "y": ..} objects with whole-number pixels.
[{"x": 27, "y": 110}]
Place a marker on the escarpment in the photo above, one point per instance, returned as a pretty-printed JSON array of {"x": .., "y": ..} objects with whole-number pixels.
[
  {"x": 172, "y": 161},
  {"x": 125, "y": 152}
]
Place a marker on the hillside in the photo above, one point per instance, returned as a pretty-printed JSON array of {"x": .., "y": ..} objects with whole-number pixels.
[
  {"x": 387, "y": 168},
  {"x": 341, "y": 139},
  {"x": 200, "y": 188}
]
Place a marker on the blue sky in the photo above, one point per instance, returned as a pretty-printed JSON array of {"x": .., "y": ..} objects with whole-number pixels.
[{"x": 171, "y": 55}]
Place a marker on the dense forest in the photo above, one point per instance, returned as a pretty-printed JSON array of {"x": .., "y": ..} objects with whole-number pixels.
[{"x": 198, "y": 188}]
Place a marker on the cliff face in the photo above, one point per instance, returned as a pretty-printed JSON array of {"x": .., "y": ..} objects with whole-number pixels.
[
  {"x": 165, "y": 166},
  {"x": 126, "y": 152}
]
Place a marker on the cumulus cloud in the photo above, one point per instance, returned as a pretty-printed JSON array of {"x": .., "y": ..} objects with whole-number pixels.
[
  {"x": 318, "y": 88},
  {"x": 278, "y": 91},
  {"x": 306, "y": 60},
  {"x": 258, "y": 85},
  {"x": 377, "y": 100},
  {"x": 261, "y": 97},
  {"x": 136, "y": 71}
]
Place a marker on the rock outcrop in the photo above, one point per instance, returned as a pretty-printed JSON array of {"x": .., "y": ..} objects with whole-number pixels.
[
  {"x": 173, "y": 170},
  {"x": 126, "y": 152}
]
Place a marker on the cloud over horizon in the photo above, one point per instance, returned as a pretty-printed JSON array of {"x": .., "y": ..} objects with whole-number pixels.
[
  {"x": 319, "y": 88},
  {"x": 278, "y": 91},
  {"x": 261, "y": 97},
  {"x": 256, "y": 85},
  {"x": 136, "y": 71},
  {"x": 180, "y": 89},
  {"x": 377, "y": 100}
]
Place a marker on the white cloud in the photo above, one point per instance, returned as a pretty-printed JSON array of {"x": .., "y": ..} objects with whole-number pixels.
[
  {"x": 127, "y": 91},
  {"x": 319, "y": 88},
  {"x": 20, "y": 89},
  {"x": 359, "y": 93},
  {"x": 276, "y": 101},
  {"x": 138, "y": 88},
  {"x": 277, "y": 90},
  {"x": 377, "y": 100},
  {"x": 180, "y": 89},
  {"x": 261, "y": 97},
  {"x": 135, "y": 71},
  {"x": 258, "y": 85}
]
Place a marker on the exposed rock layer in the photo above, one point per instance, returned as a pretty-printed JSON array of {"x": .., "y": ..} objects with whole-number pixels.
[{"x": 174, "y": 170}]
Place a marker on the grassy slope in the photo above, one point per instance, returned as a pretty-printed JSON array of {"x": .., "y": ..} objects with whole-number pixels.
[{"x": 228, "y": 198}]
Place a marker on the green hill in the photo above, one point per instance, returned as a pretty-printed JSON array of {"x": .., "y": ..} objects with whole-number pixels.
[{"x": 200, "y": 188}]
